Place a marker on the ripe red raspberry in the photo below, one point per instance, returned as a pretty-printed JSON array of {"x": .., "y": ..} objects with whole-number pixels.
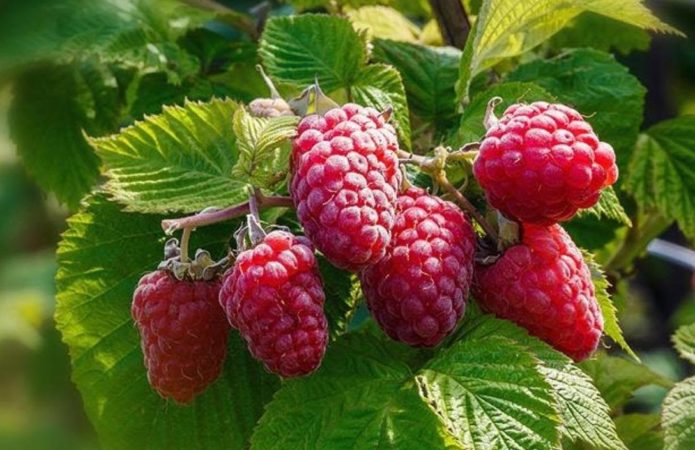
[
  {"x": 274, "y": 296},
  {"x": 344, "y": 184},
  {"x": 542, "y": 162},
  {"x": 418, "y": 291},
  {"x": 544, "y": 285},
  {"x": 183, "y": 333}
]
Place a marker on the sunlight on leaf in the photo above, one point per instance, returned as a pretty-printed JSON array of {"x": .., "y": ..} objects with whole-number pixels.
[{"x": 180, "y": 160}]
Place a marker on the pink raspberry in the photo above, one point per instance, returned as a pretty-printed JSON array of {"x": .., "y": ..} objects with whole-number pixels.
[
  {"x": 418, "y": 291},
  {"x": 544, "y": 285},
  {"x": 274, "y": 296},
  {"x": 542, "y": 162},
  {"x": 345, "y": 179},
  {"x": 183, "y": 333}
]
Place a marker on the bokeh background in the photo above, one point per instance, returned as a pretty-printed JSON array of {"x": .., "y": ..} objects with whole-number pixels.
[{"x": 40, "y": 407}]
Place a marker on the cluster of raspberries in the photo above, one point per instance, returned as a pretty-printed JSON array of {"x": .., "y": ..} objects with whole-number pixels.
[
  {"x": 539, "y": 164},
  {"x": 412, "y": 251}
]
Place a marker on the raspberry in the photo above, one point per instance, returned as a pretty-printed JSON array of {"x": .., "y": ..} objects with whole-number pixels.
[
  {"x": 544, "y": 285},
  {"x": 542, "y": 162},
  {"x": 344, "y": 184},
  {"x": 417, "y": 292},
  {"x": 183, "y": 333},
  {"x": 274, "y": 296}
]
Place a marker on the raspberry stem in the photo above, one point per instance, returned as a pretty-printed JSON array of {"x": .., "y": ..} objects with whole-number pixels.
[
  {"x": 208, "y": 217},
  {"x": 466, "y": 205},
  {"x": 185, "y": 238},
  {"x": 253, "y": 219},
  {"x": 466, "y": 153}
]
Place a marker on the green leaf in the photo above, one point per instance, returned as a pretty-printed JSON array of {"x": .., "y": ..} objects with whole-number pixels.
[
  {"x": 486, "y": 391},
  {"x": 428, "y": 73},
  {"x": 98, "y": 97},
  {"x": 640, "y": 431},
  {"x": 611, "y": 327},
  {"x": 380, "y": 86},
  {"x": 465, "y": 70},
  {"x": 608, "y": 207},
  {"x": 180, "y": 160},
  {"x": 46, "y": 122},
  {"x": 137, "y": 33},
  {"x": 660, "y": 174},
  {"x": 303, "y": 5},
  {"x": 264, "y": 148},
  {"x": 585, "y": 415},
  {"x": 58, "y": 29},
  {"x": 472, "y": 129},
  {"x": 154, "y": 90},
  {"x": 507, "y": 28},
  {"x": 362, "y": 397},
  {"x": 103, "y": 254},
  {"x": 678, "y": 416},
  {"x": 602, "y": 33},
  {"x": 300, "y": 49},
  {"x": 684, "y": 339},
  {"x": 343, "y": 295},
  {"x": 592, "y": 233},
  {"x": 384, "y": 22},
  {"x": 415, "y": 8},
  {"x": 618, "y": 378},
  {"x": 597, "y": 86},
  {"x": 490, "y": 393}
]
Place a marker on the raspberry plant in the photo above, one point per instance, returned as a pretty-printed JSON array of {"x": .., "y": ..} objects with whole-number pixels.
[{"x": 368, "y": 138}]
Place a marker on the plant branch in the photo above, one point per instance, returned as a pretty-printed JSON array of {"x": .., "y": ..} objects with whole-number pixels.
[
  {"x": 644, "y": 228},
  {"x": 453, "y": 21},
  {"x": 466, "y": 153},
  {"x": 436, "y": 168},
  {"x": 422, "y": 161},
  {"x": 467, "y": 206},
  {"x": 211, "y": 217}
]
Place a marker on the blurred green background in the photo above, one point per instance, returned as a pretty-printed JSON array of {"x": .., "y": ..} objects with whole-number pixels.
[{"x": 39, "y": 406}]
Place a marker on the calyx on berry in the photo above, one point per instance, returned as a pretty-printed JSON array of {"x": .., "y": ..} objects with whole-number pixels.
[{"x": 201, "y": 267}]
